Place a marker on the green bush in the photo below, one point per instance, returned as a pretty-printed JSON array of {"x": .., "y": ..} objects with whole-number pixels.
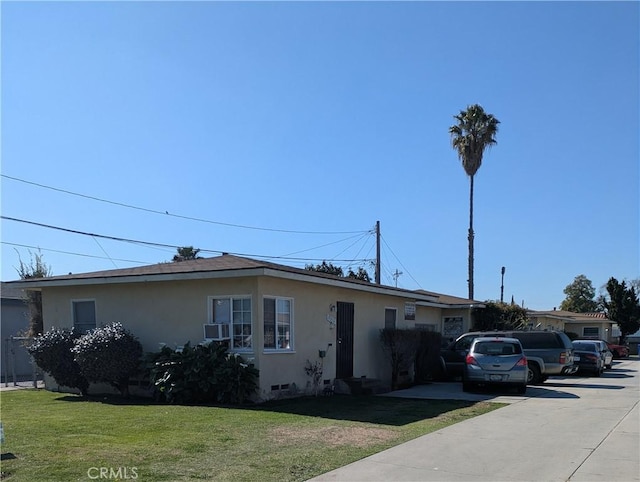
[
  {"x": 202, "y": 374},
  {"x": 52, "y": 353},
  {"x": 108, "y": 354}
]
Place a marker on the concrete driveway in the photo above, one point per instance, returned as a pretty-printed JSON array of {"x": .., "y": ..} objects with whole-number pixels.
[{"x": 567, "y": 429}]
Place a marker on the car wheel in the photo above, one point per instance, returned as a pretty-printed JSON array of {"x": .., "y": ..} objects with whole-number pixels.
[
  {"x": 522, "y": 389},
  {"x": 598, "y": 372},
  {"x": 608, "y": 367},
  {"x": 533, "y": 374}
]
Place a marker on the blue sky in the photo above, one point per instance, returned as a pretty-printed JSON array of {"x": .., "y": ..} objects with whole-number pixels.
[{"x": 308, "y": 122}]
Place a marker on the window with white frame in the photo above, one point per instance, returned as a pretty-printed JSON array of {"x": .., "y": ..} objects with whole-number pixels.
[
  {"x": 591, "y": 331},
  {"x": 278, "y": 323},
  {"x": 234, "y": 314},
  {"x": 84, "y": 315}
]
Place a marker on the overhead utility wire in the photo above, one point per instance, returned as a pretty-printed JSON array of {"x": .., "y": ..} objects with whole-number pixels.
[
  {"x": 327, "y": 244},
  {"x": 71, "y": 253},
  {"x": 167, "y": 213},
  {"x": 150, "y": 243},
  {"x": 403, "y": 266}
]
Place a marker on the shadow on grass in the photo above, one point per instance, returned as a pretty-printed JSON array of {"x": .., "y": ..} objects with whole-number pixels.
[{"x": 362, "y": 408}]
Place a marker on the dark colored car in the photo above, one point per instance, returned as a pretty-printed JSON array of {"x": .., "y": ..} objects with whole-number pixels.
[
  {"x": 548, "y": 353},
  {"x": 618, "y": 351},
  {"x": 588, "y": 357}
]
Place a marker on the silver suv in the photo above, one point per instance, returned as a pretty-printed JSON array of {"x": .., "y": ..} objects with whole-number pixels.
[{"x": 548, "y": 353}]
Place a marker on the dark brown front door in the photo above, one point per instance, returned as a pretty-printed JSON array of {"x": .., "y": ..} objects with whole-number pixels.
[{"x": 344, "y": 340}]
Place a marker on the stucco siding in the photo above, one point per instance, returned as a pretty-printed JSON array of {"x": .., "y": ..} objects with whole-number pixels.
[
  {"x": 161, "y": 312},
  {"x": 173, "y": 312}
]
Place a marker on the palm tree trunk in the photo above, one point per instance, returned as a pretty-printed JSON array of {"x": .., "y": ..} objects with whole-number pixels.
[{"x": 470, "y": 281}]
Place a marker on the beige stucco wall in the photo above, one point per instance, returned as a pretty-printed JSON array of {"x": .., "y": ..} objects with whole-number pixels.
[
  {"x": 173, "y": 312},
  {"x": 546, "y": 323},
  {"x": 604, "y": 328}
]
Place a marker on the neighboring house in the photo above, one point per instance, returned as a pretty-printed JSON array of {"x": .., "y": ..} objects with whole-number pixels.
[
  {"x": 585, "y": 325},
  {"x": 633, "y": 340},
  {"x": 277, "y": 317},
  {"x": 15, "y": 361}
]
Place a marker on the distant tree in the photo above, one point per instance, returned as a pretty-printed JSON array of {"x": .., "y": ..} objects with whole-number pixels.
[
  {"x": 361, "y": 274},
  {"x": 499, "y": 316},
  {"x": 330, "y": 268},
  {"x": 475, "y": 131},
  {"x": 325, "y": 267},
  {"x": 622, "y": 307},
  {"x": 186, "y": 253},
  {"x": 580, "y": 296},
  {"x": 36, "y": 268}
]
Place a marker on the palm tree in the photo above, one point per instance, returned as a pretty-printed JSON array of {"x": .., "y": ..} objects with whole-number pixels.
[{"x": 474, "y": 132}]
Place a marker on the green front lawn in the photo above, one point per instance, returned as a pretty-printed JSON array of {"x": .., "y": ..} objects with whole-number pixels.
[{"x": 60, "y": 437}]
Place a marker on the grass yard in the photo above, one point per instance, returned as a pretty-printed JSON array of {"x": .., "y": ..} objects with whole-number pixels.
[{"x": 60, "y": 437}]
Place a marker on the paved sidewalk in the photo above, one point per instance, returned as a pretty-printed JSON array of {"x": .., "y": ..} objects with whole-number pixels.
[
  {"x": 568, "y": 429},
  {"x": 20, "y": 385}
]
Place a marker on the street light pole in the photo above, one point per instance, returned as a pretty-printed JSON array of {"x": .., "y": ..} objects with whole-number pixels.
[{"x": 502, "y": 285}]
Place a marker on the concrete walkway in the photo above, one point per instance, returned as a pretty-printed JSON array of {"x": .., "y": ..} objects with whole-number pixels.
[
  {"x": 568, "y": 429},
  {"x": 21, "y": 385}
]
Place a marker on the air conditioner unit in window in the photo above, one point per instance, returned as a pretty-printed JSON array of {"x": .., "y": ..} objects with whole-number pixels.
[{"x": 216, "y": 331}]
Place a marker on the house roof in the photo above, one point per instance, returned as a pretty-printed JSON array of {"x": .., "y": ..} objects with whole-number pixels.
[
  {"x": 8, "y": 292},
  {"x": 208, "y": 268},
  {"x": 570, "y": 316},
  {"x": 453, "y": 300}
]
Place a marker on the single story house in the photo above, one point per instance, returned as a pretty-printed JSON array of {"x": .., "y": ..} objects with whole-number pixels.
[
  {"x": 275, "y": 316},
  {"x": 585, "y": 325}
]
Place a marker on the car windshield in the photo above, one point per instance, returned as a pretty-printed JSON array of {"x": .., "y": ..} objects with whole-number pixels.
[{"x": 497, "y": 348}]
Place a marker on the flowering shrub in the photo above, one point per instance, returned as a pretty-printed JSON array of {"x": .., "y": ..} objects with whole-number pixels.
[
  {"x": 52, "y": 353},
  {"x": 108, "y": 354},
  {"x": 201, "y": 374}
]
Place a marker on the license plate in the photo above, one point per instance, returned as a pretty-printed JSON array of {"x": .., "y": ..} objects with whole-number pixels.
[
  {"x": 576, "y": 358},
  {"x": 495, "y": 378}
]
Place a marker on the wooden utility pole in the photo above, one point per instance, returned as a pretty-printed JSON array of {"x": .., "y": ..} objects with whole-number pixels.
[{"x": 377, "y": 275}]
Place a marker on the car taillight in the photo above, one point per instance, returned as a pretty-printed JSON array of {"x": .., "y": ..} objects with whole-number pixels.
[
  {"x": 563, "y": 358},
  {"x": 522, "y": 362},
  {"x": 470, "y": 360}
]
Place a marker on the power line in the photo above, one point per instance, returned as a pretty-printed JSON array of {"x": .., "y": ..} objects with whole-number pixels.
[
  {"x": 162, "y": 245},
  {"x": 359, "y": 236},
  {"x": 167, "y": 213},
  {"x": 71, "y": 253},
  {"x": 403, "y": 267}
]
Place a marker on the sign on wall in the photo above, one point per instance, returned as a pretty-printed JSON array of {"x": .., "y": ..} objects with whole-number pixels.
[{"x": 409, "y": 311}]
